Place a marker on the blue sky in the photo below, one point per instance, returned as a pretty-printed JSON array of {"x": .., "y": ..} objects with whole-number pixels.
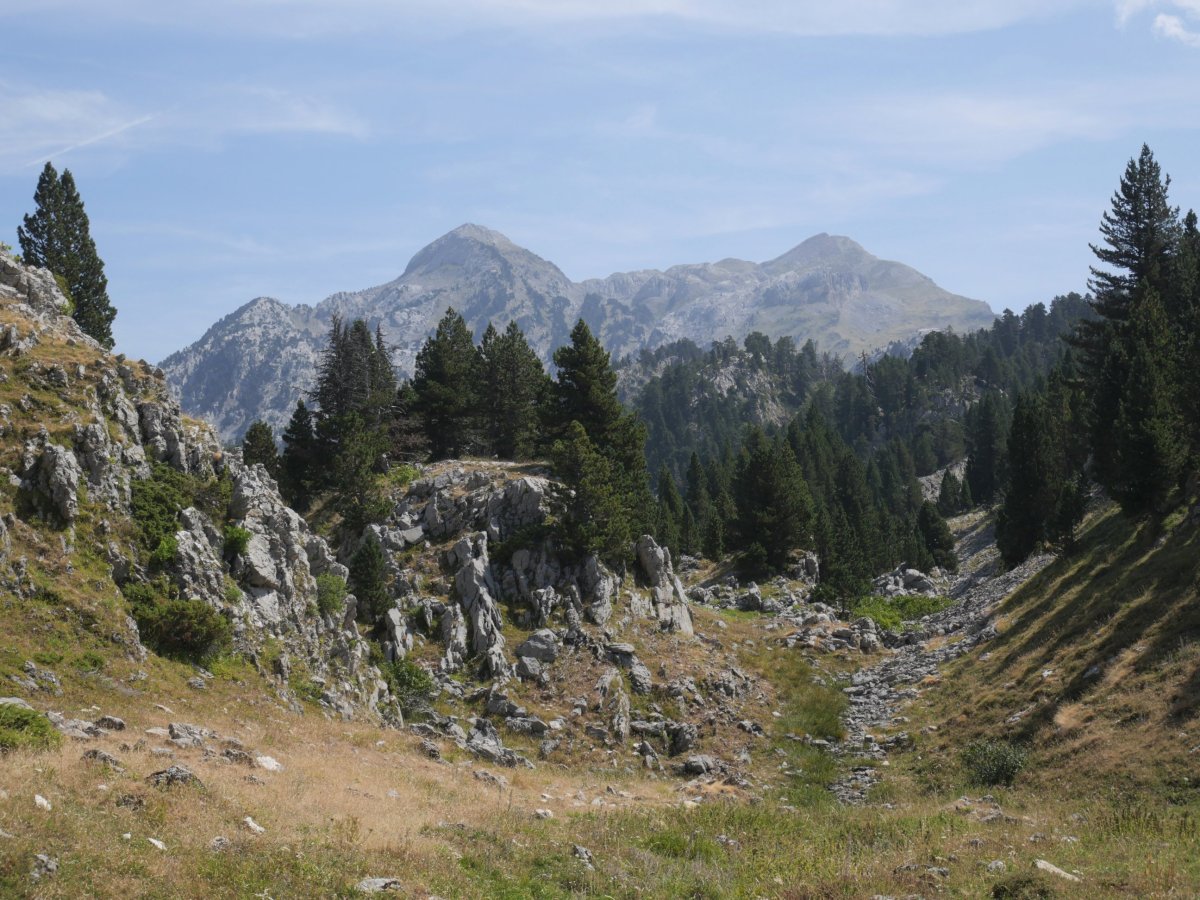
[{"x": 292, "y": 148}]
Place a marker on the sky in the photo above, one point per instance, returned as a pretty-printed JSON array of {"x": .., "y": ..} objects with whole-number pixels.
[{"x": 232, "y": 149}]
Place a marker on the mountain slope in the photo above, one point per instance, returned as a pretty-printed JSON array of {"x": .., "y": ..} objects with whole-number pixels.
[{"x": 257, "y": 361}]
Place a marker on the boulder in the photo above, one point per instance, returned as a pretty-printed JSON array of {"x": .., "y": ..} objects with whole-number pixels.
[{"x": 543, "y": 645}]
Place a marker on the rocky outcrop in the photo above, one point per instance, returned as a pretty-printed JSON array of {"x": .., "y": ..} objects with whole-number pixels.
[
  {"x": 476, "y": 591},
  {"x": 670, "y": 605},
  {"x": 104, "y": 423},
  {"x": 51, "y": 477}
]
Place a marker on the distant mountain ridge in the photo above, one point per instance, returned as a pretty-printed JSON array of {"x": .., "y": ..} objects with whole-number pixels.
[{"x": 255, "y": 362}]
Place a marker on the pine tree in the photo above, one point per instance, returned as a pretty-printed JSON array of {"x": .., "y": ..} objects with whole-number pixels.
[
  {"x": 597, "y": 521},
  {"x": 774, "y": 507},
  {"x": 514, "y": 387},
  {"x": 446, "y": 385},
  {"x": 585, "y": 393},
  {"x": 937, "y": 537},
  {"x": 987, "y": 437},
  {"x": 58, "y": 237},
  {"x": 368, "y": 580},
  {"x": 258, "y": 447},
  {"x": 1151, "y": 443},
  {"x": 1141, "y": 236},
  {"x": 670, "y": 511},
  {"x": 299, "y": 460},
  {"x": 949, "y": 495}
]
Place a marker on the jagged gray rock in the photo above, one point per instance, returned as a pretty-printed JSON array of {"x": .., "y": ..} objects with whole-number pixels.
[{"x": 670, "y": 601}]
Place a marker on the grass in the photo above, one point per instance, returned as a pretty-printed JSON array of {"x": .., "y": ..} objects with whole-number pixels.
[{"x": 894, "y": 613}]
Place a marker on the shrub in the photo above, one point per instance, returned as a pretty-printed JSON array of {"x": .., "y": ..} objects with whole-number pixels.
[
  {"x": 165, "y": 552},
  {"x": 88, "y": 661},
  {"x": 1022, "y": 886},
  {"x": 993, "y": 762},
  {"x": 892, "y": 612},
  {"x": 155, "y": 504},
  {"x": 236, "y": 541},
  {"x": 22, "y": 728},
  {"x": 411, "y": 685},
  {"x": 180, "y": 628},
  {"x": 331, "y": 593}
]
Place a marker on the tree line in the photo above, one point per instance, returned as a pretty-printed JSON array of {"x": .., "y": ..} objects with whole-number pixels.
[
  {"x": 491, "y": 399},
  {"x": 1124, "y": 408}
]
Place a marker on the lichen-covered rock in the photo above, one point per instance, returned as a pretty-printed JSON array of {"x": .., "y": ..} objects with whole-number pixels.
[
  {"x": 51, "y": 476},
  {"x": 476, "y": 591},
  {"x": 670, "y": 601}
]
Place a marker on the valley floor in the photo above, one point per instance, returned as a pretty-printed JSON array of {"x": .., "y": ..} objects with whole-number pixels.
[{"x": 1107, "y": 804}]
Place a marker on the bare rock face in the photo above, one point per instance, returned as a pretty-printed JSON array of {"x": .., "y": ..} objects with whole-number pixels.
[
  {"x": 51, "y": 477},
  {"x": 670, "y": 601},
  {"x": 477, "y": 593}
]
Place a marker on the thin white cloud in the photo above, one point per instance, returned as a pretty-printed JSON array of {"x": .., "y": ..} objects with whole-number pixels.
[
  {"x": 1181, "y": 24},
  {"x": 1173, "y": 27},
  {"x": 313, "y": 18},
  {"x": 47, "y": 123}
]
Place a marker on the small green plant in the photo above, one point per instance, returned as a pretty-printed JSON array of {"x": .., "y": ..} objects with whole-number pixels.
[
  {"x": 47, "y": 658},
  {"x": 993, "y": 762},
  {"x": 22, "y": 728},
  {"x": 411, "y": 685},
  {"x": 308, "y": 690},
  {"x": 89, "y": 661},
  {"x": 164, "y": 554},
  {"x": 892, "y": 612},
  {"x": 233, "y": 593},
  {"x": 236, "y": 541},
  {"x": 1022, "y": 886},
  {"x": 331, "y": 594}
]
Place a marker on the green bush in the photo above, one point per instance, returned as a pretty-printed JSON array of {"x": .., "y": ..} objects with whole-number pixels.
[
  {"x": 88, "y": 661},
  {"x": 892, "y": 612},
  {"x": 164, "y": 553},
  {"x": 22, "y": 728},
  {"x": 179, "y": 628},
  {"x": 331, "y": 593},
  {"x": 156, "y": 502},
  {"x": 1022, "y": 886},
  {"x": 411, "y": 685},
  {"x": 236, "y": 541},
  {"x": 993, "y": 762}
]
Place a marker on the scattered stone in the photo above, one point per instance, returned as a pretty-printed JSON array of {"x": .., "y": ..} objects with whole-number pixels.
[
  {"x": 497, "y": 781},
  {"x": 269, "y": 763},
  {"x": 131, "y": 802},
  {"x": 43, "y": 867},
  {"x": 543, "y": 813},
  {"x": 997, "y": 867},
  {"x": 543, "y": 645},
  {"x": 197, "y": 684},
  {"x": 1050, "y": 869},
  {"x": 110, "y": 723},
  {"x": 157, "y": 844},
  {"x": 253, "y": 826},
  {"x": 184, "y": 735},
  {"x": 42, "y": 802},
  {"x": 104, "y": 759},
  {"x": 378, "y": 885},
  {"x": 584, "y": 854},
  {"x": 174, "y": 775},
  {"x": 430, "y": 749},
  {"x": 219, "y": 844}
]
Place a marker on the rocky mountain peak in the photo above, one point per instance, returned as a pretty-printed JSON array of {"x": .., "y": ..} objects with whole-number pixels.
[
  {"x": 254, "y": 363},
  {"x": 821, "y": 250},
  {"x": 473, "y": 249}
]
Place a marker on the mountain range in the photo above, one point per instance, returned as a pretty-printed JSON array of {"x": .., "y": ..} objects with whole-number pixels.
[{"x": 257, "y": 361}]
